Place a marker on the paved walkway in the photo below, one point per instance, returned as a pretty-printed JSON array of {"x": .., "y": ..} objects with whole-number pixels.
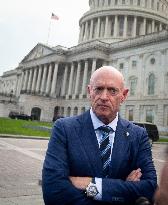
[{"x": 20, "y": 169}]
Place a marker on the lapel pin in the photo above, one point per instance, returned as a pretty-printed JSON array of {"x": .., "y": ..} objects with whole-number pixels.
[{"x": 127, "y": 133}]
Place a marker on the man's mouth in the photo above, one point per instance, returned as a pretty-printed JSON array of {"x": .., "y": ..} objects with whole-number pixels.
[{"x": 103, "y": 106}]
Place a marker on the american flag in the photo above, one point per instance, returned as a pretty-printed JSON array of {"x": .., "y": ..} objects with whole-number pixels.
[{"x": 55, "y": 17}]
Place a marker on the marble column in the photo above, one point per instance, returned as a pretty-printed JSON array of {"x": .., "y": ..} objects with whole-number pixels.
[
  {"x": 48, "y": 87},
  {"x": 116, "y": 26},
  {"x": 160, "y": 27},
  {"x": 93, "y": 66},
  {"x": 84, "y": 78},
  {"x": 21, "y": 82},
  {"x": 82, "y": 33},
  {"x": 25, "y": 80},
  {"x": 106, "y": 3},
  {"x": 98, "y": 27},
  {"x": 86, "y": 31},
  {"x": 153, "y": 26},
  {"x": 144, "y": 26},
  {"x": 71, "y": 80},
  {"x": 39, "y": 79},
  {"x": 34, "y": 80},
  {"x": 77, "y": 80},
  {"x": 91, "y": 30},
  {"x": 30, "y": 80},
  {"x": 135, "y": 26},
  {"x": 125, "y": 27},
  {"x": 54, "y": 80},
  {"x": 64, "y": 81},
  {"x": 106, "y": 27},
  {"x": 44, "y": 79}
]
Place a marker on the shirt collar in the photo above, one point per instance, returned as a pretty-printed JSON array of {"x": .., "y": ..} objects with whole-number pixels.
[{"x": 97, "y": 123}]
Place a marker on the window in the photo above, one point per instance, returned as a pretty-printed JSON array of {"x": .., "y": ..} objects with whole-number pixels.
[
  {"x": 121, "y": 67},
  {"x": 152, "y": 61},
  {"x": 130, "y": 115},
  {"x": 149, "y": 116},
  {"x": 157, "y": 6},
  {"x": 131, "y": 2},
  {"x": 109, "y": 2},
  {"x": 134, "y": 64},
  {"x": 133, "y": 85},
  {"x": 139, "y": 2},
  {"x": 123, "y": 1},
  {"x": 151, "y": 84}
]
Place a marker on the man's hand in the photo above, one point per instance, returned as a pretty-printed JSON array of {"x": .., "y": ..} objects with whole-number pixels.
[
  {"x": 80, "y": 182},
  {"x": 135, "y": 175}
]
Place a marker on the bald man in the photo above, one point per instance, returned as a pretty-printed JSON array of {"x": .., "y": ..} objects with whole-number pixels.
[{"x": 98, "y": 158}]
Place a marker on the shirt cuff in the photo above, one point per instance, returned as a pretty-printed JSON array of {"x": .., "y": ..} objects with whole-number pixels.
[{"x": 98, "y": 182}]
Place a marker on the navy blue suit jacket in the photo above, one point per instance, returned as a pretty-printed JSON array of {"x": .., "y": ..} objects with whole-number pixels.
[{"x": 73, "y": 151}]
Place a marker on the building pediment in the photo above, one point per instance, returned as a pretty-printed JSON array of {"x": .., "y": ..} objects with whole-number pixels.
[{"x": 38, "y": 51}]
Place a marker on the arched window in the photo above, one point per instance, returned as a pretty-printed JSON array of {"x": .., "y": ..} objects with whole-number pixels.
[
  {"x": 75, "y": 111},
  {"x": 83, "y": 109},
  {"x": 151, "y": 84},
  {"x": 150, "y": 116},
  {"x": 36, "y": 113},
  {"x": 68, "y": 111},
  {"x": 131, "y": 115},
  {"x": 133, "y": 85}
]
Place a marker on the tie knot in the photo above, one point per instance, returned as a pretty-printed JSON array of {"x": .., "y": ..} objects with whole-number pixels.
[{"x": 105, "y": 129}]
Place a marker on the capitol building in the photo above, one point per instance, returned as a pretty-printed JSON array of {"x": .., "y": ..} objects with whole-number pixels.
[{"x": 131, "y": 35}]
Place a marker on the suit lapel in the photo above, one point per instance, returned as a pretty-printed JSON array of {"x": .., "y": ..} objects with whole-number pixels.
[
  {"x": 90, "y": 144},
  {"x": 120, "y": 148}
]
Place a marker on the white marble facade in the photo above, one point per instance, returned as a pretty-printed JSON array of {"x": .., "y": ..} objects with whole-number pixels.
[{"x": 130, "y": 35}]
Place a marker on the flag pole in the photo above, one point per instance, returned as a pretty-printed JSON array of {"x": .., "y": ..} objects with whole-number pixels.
[
  {"x": 55, "y": 17},
  {"x": 49, "y": 29}
]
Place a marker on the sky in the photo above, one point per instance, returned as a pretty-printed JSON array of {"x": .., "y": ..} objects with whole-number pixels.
[{"x": 25, "y": 23}]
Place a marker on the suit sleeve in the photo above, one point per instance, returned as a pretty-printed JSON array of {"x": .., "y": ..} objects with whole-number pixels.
[
  {"x": 117, "y": 190},
  {"x": 56, "y": 186}
]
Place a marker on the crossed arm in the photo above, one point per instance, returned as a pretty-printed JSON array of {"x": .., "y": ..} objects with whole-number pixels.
[{"x": 82, "y": 182}]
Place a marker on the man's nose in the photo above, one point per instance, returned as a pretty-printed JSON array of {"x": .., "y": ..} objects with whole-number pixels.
[{"x": 104, "y": 94}]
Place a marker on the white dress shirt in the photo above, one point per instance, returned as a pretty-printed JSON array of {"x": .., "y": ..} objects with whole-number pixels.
[{"x": 96, "y": 124}]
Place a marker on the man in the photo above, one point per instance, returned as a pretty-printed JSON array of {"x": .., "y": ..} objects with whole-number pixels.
[
  {"x": 161, "y": 197},
  {"x": 98, "y": 157}
]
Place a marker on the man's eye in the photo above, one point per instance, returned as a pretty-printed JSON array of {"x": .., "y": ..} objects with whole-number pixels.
[
  {"x": 99, "y": 89},
  {"x": 113, "y": 91}
]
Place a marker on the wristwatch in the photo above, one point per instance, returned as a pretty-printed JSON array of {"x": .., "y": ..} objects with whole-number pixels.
[{"x": 91, "y": 189}]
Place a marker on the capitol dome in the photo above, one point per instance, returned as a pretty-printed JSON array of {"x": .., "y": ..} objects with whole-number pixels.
[{"x": 117, "y": 20}]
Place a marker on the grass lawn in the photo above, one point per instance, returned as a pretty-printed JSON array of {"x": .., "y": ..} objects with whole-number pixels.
[
  {"x": 24, "y": 127},
  {"x": 163, "y": 140}
]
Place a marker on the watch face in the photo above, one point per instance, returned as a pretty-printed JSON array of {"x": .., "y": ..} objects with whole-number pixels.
[{"x": 92, "y": 191}]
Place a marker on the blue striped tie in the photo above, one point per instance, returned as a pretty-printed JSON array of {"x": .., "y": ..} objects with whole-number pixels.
[{"x": 105, "y": 148}]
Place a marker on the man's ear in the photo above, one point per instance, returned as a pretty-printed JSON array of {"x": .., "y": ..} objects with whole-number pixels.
[{"x": 125, "y": 94}]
